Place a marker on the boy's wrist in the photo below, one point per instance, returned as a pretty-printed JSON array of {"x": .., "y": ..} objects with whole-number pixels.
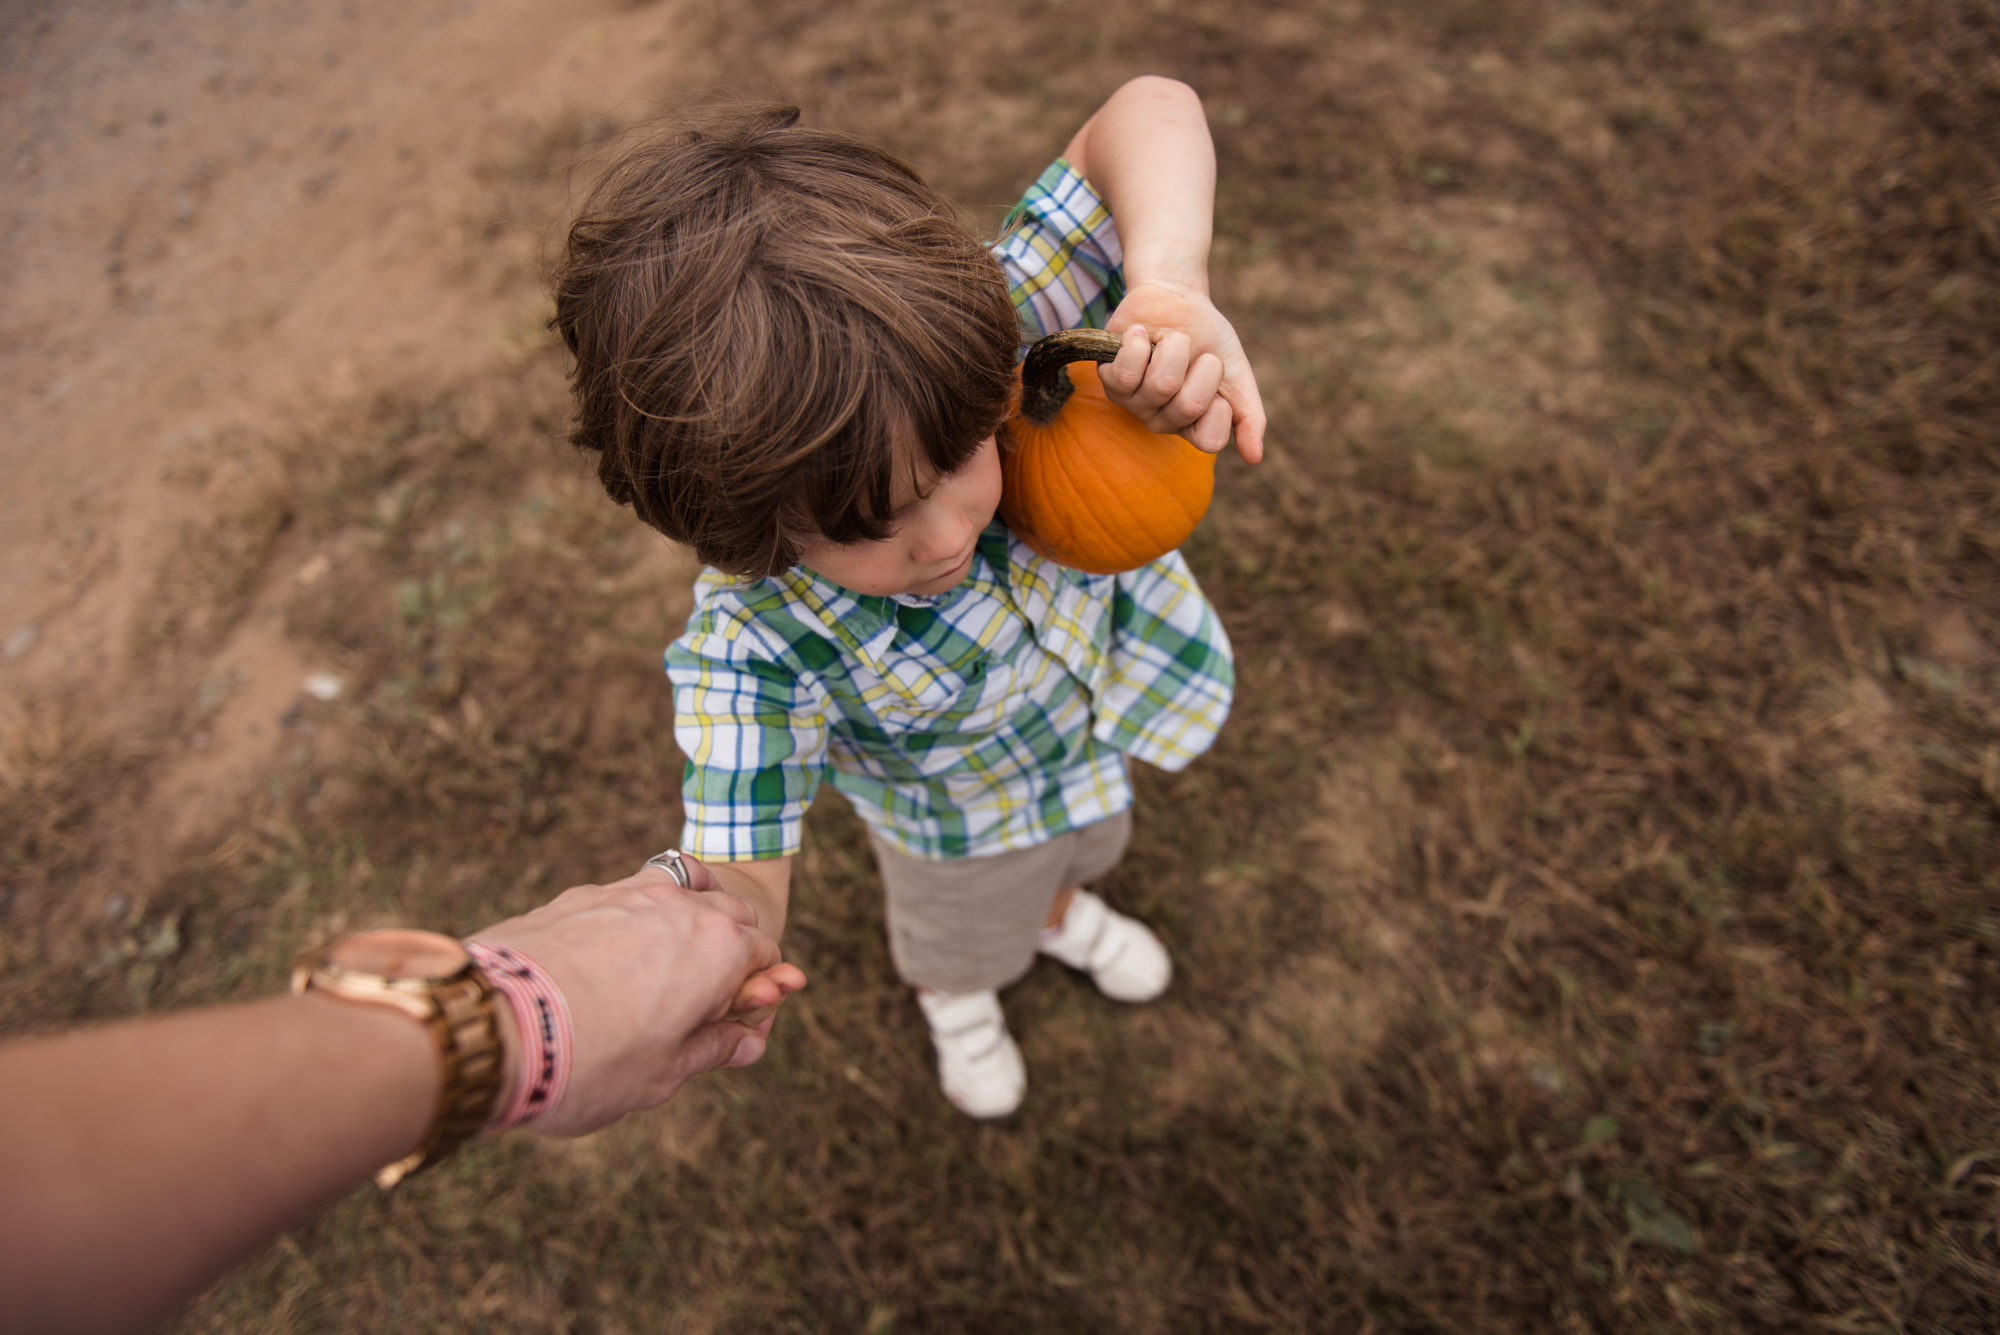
[
  {"x": 767, "y": 904},
  {"x": 1178, "y": 272}
]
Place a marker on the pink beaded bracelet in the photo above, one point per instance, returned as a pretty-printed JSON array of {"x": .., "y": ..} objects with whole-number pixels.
[{"x": 541, "y": 1019}]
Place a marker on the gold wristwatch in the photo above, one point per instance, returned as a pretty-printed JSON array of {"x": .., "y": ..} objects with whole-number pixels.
[{"x": 433, "y": 980}]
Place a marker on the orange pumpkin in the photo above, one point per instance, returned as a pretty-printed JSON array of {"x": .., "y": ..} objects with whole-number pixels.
[{"x": 1084, "y": 482}]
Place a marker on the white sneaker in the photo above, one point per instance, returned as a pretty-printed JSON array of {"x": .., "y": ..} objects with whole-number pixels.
[
  {"x": 1122, "y": 956},
  {"x": 979, "y": 1066}
]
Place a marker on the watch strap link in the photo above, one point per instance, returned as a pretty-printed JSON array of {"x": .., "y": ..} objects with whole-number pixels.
[{"x": 465, "y": 1033}]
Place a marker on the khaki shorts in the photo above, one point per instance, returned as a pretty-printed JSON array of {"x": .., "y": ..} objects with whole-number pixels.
[{"x": 971, "y": 924}]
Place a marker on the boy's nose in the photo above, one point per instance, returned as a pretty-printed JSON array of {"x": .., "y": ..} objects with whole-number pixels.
[{"x": 947, "y": 536}]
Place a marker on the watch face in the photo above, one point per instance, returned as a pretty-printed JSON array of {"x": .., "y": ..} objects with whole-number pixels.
[{"x": 398, "y": 954}]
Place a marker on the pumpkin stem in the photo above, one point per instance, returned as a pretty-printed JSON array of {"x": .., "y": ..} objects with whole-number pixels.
[{"x": 1044, "y": 387}]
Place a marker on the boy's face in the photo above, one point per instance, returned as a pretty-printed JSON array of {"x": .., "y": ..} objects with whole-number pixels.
[{"x": 938, "y": 521}]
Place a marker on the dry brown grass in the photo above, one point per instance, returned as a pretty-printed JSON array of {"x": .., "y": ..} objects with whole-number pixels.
[{"x": 1588, "y": 920}]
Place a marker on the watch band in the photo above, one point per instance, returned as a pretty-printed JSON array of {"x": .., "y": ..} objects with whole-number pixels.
[
  {"x": 458, "y": 1011},
  {"x": 546, "y": 1042}
]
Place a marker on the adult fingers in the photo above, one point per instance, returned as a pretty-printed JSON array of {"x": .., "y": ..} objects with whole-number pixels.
[
  {"x": 733, "y": 905},
  {"x": 762, "y": 980},
  {"x": 764, "y": 951},
  {"x": 659, "y": 885},
  {"x": 760, "y": 1018},
  {"x": 717, "y": 1045},
  {"x": 700, "y": 878},
  {"x": 749, "y": 1050},
  {"x": 655, "y": 879}
]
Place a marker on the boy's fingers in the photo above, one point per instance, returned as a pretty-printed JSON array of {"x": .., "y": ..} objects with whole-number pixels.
[
  {"x": 1250, "y": 422},
  {"x": 756, "y": 994},
  {"x": 790, "y": 978},
  {"x": 1125, "y": 372},
  {"x": 763, "y": 990},
  {"x": 1165, "y": 374},
  {"x": 759, "y": 991},
  {"x": 1210, "y": 433},
  {"x": 1196, "y": 396}
]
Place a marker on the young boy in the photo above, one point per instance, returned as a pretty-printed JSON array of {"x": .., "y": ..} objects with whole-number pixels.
[{"x": 791, "y": 356}]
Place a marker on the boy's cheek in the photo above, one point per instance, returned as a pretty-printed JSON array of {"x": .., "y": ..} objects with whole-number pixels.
[{"x": 988, "y": 461}]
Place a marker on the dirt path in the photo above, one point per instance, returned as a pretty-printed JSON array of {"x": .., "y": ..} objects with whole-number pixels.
[{"x": 217, "y": 214}]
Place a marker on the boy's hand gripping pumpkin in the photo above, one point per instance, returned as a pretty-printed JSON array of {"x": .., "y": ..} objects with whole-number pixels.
[{"x": 1182, "y": 369}]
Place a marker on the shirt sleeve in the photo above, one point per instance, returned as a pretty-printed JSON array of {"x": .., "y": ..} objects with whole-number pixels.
[
  {"x": 1171, "y": 675},
  {"x": 755, "y": 735},
  {"x": 1060, "y": 250}
]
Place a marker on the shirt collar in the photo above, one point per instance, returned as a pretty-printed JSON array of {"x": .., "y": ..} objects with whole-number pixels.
[{"x": 866, "y": 623}]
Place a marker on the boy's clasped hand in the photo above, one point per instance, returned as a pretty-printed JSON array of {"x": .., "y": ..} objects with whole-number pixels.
[{"x": 1195, "y": 381}]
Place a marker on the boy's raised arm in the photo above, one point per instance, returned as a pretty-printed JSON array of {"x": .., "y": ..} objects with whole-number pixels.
[{"x": 1183, "y": 369}]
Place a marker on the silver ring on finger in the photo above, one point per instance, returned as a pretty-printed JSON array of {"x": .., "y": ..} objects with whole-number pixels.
[{"x": 673, "y": 865}]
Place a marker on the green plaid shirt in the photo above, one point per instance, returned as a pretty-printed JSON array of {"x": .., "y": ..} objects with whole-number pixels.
[{"x": 991, "y": 717}]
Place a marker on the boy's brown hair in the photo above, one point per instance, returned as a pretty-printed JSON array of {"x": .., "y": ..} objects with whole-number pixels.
[{"x": 768, "y": 321}]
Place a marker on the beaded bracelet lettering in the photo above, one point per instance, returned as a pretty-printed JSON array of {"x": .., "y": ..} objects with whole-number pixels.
[{"x": 541, "y": 1018}]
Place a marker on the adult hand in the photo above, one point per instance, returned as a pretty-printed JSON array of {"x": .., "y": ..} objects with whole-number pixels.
[
  {"x": 663, "y": 984},
  {"x": 1182, "y": 370}
]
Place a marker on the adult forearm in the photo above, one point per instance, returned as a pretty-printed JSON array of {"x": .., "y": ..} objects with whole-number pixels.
[
  {"x": 178, "y": 1146},
  {"x": 1149, "y": 153},
  {"x": 139, "y": 1160}
]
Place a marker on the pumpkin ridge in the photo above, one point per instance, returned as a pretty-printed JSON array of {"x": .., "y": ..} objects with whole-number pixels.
[{"x": 1078, "y": 535}]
